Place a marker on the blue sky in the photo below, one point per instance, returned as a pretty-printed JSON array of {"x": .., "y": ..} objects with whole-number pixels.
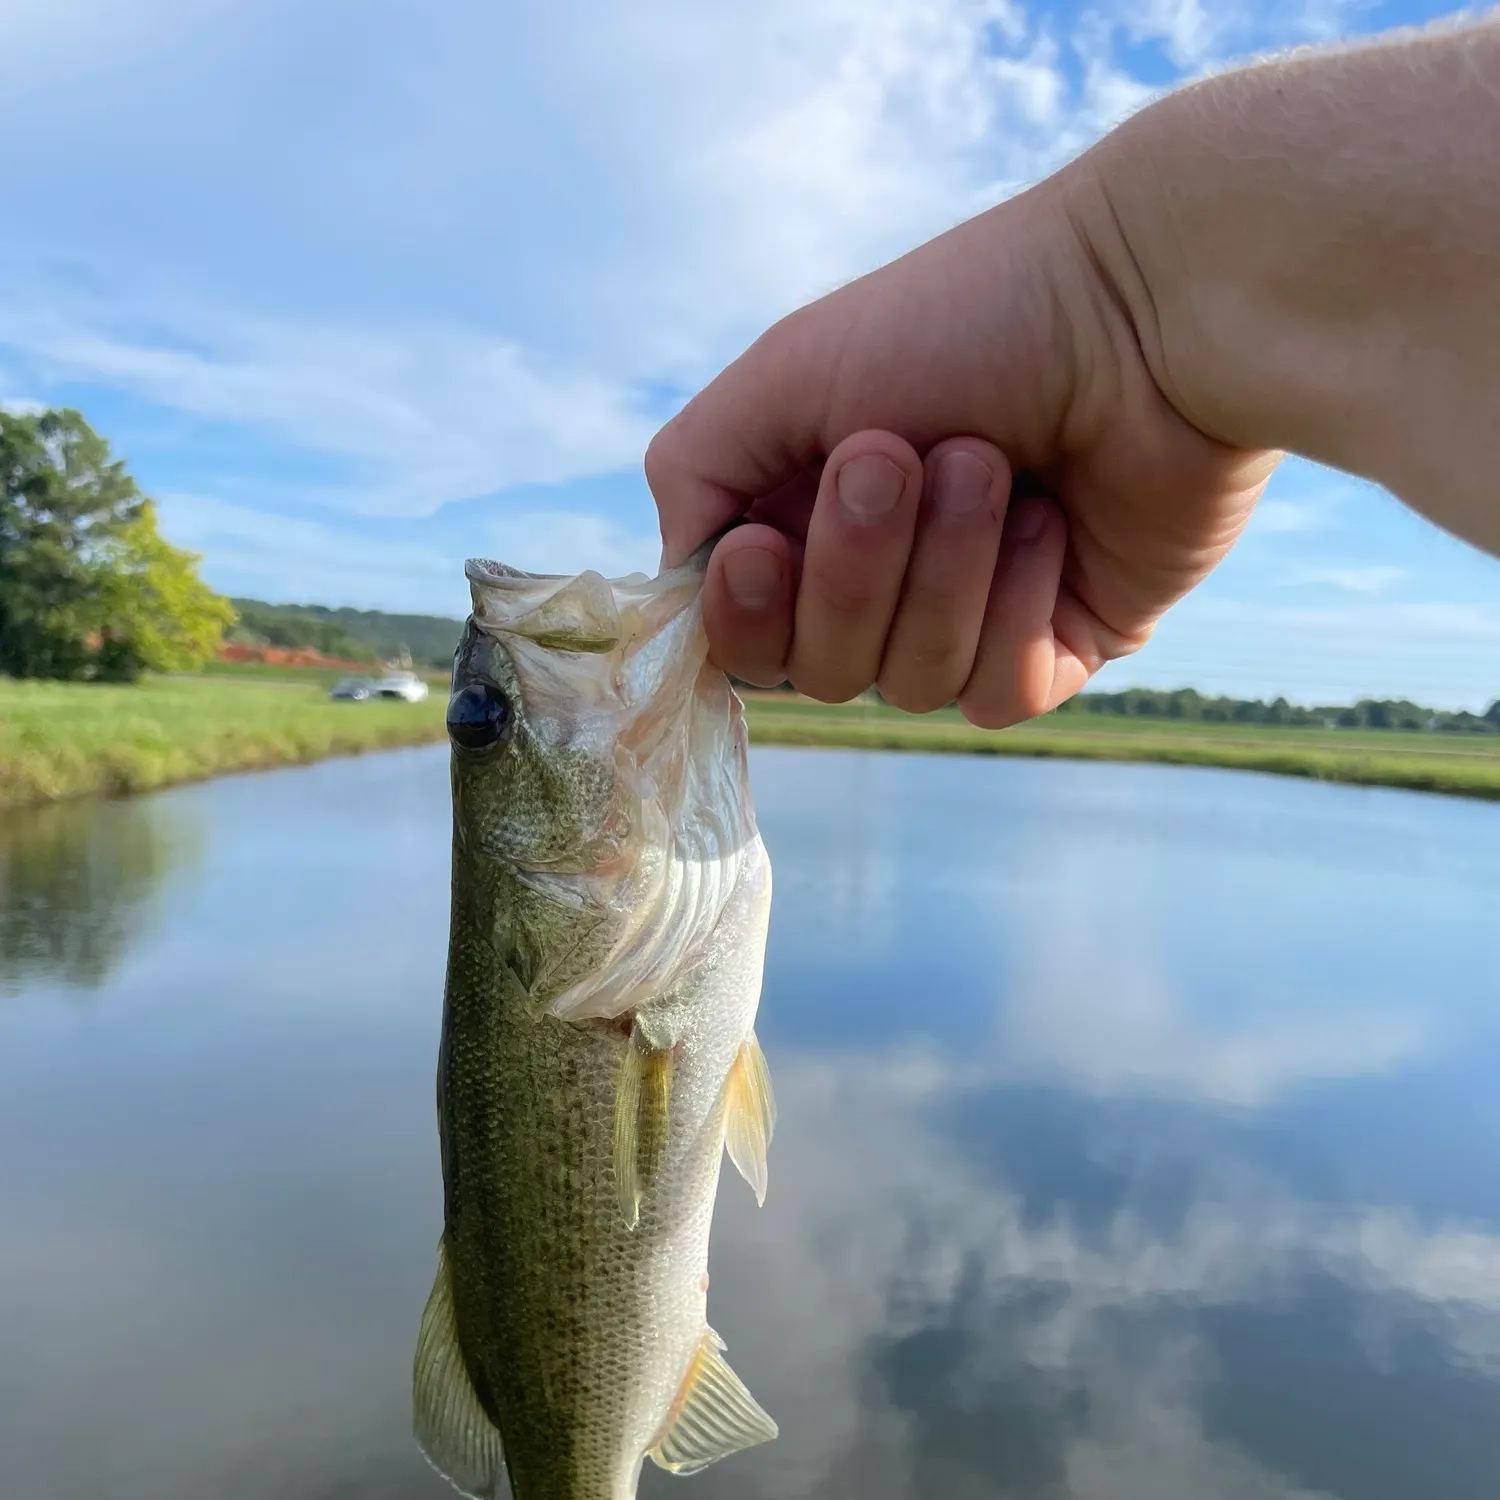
[{"x": 362, "y": 289}]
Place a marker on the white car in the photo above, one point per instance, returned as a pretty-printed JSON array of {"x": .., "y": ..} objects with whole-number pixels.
[{"x": 406, "y": 685}]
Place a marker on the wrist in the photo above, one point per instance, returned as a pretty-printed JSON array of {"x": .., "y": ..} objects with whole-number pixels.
[{"x": 1306, "y": 251}]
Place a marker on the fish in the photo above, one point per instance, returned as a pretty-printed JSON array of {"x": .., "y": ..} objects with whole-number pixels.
[{"x": 598, "y": 1055}]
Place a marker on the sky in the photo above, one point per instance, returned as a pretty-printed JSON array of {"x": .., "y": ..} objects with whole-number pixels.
[{"x": 362, "y": 289}]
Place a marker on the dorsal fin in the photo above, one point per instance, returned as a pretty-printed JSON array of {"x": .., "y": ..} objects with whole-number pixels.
[
  {"x": 458, "y": 1439},
  {"x": 713, "y": 1416}
]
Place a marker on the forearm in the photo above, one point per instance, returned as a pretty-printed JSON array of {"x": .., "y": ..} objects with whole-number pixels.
[{"x": 1308, "y": 252}]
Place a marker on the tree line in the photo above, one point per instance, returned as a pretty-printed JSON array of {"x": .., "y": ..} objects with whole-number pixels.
[
  {"x": 1187, "y": 705},
  {"x": 1369, "y": 713},
  {"x": 90, "y": 589}
]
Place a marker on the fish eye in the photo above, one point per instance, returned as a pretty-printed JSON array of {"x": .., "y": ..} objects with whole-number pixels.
[{"x": 478, "y": 716}]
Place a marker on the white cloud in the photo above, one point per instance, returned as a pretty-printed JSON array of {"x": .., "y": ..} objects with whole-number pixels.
[
  {"x": 419, "y": 569},
  {"x": 1198, "y": 37},
  {"x": 1354, "y": 578},
  {"x": 720, "y": 166},
  {"x": 1284, "y": 517},
  {"x": 423, "y": 415},
  {"x": 471, "y": 279},
  {"x": 1440, "y": 616},
  {"x": 1184, "y": 28},
  {"x": 1145, "y": 1040},
  {"x": 1145, "y": 1044},
  {"x": 1305, "y": 497}
]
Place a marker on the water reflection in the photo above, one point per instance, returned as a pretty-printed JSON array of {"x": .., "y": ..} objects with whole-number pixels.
[
  {"x": 1061, "y": 1207},
  {"x": 1154, "y": 1316},
  {"x": 77, "y": 885}
]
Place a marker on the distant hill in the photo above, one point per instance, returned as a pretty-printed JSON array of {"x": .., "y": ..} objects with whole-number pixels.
[{"x": 352, "y": 634}]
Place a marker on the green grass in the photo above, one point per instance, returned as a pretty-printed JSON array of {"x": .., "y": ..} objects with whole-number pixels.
[
  {"x": 63, "y": 739},
  {"x": 1460, "y": 765},
  {"x": 325, "y": 677}
]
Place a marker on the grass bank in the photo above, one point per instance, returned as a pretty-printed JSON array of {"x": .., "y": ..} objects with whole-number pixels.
[
  {"x": 66, "y": 739},
  {"x": 1459, "y": 765},
  {"x": 61, "y": 739}
]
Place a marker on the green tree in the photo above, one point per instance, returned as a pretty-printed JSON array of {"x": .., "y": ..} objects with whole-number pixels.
[
  {"x": 88, "y": 587},
  {"x": 158, "y": 615}
]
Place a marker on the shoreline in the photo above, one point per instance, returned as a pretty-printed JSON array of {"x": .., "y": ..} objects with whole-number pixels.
[
  {"x": 1439, "y": 765},
  {"x": 126, "y": 786},
  {"x": 59, "y": 741},
  {"x": 1268, "y": 763}
]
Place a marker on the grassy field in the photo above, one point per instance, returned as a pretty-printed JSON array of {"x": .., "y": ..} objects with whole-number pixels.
[
  {"x": 1460, "y": 765},
  {"x": 258, "y": 671},
  {"x": 63, "y": 739}
]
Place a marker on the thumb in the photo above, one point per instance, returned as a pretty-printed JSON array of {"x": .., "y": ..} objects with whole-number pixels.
[{"x": 756, "y": 426}]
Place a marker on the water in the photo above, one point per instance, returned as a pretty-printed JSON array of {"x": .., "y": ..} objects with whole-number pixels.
[{"x": 1139, "y": 1138}]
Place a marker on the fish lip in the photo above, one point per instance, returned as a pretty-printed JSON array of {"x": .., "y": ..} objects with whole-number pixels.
[
  {"x": 483, "y": 570},
  {"x": 580, "y": 612}
]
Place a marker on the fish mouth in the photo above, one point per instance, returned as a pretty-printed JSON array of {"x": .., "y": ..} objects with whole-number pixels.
[
  {"x": 584, "y": 612},
  {"x": 621, "y": 666},
  {"x": 616, "y": 670},
  {"x": 598, "y": 658}
]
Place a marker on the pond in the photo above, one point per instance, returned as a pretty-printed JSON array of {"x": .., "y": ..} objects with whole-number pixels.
[{"x": 1139, "y": 1138}]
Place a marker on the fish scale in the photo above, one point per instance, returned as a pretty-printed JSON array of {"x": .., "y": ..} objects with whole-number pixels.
[{"x": 610, "y": 905}]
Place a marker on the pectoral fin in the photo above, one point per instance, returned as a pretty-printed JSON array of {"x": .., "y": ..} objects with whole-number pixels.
[
  {"x": 643, "y": 1099},
  {"x": 459, "y": 1440},
  {"x": 713, "y": 1415},
  {"x": 750, "y": 1115}
]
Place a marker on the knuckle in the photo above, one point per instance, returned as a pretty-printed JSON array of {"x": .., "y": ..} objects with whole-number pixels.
[
  {"x": 758, "y": 660},
  {"x": 1031, "y": 703},
  {"x": 921, "y": 680},
  {"x": 848, "y": 599},
  {"x": 824, "y": 686},
  {"x": 1028, "y": 693},
  {"x": 986, "y": 711},
  {"x": 661, "y": 457},
  {"x": 939, "y": 661},
  {"x": 761, "y": 670},
  {"x": 938, "y": 599},
  {"x": 909, "y": 695}
]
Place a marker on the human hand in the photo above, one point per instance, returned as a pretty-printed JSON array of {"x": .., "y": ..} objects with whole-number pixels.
[{"x": 870, "y": 441}]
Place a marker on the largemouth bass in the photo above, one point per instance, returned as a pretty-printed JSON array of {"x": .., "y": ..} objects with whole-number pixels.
[{"x": 610, "y": 904}]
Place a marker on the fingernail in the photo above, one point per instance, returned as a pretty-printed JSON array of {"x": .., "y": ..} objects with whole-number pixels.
[
  {"x": 753, "y": 577},
  {"x": 961, "y": 484},
  {"x": 1029, "y": 520},
  {"x": 870, "y": 486}
]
